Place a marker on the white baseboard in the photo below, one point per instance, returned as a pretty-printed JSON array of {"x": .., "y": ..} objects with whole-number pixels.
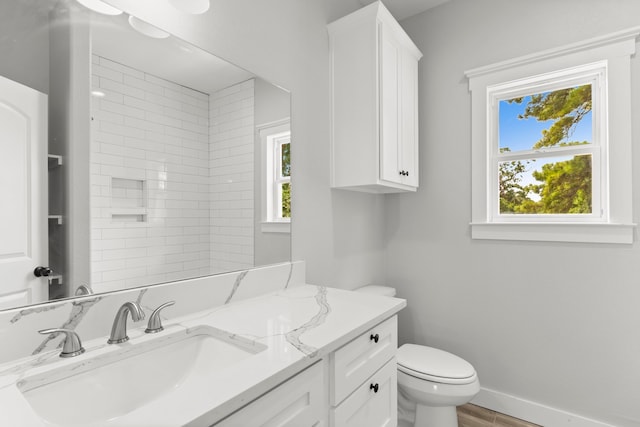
[{"x": 531, "y": 411}]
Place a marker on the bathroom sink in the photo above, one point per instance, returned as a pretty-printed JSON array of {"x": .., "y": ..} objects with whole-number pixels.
[{"x": 102, "y": 389}]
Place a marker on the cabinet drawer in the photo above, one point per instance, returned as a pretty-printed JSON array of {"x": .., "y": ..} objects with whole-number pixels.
[
  {"x": 352, "y": 364},
  {"x": 298, "y": 402},
  {"x": 368, "y": 407}
]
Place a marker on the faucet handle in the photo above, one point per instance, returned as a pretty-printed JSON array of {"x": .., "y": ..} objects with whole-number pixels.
[
  {"x": 83, "y": 290},
  {"x": 72, "y": 344},
  {"x": 155, "y": 323}
]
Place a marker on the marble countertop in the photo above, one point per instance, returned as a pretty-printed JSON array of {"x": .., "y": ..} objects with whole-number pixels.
[{"x": 298, "y": 326}]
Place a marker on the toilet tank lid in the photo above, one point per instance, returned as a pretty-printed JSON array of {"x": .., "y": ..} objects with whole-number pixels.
[
  {"x": 386, "y": 291},
  {"x": 434, "y": 362}
]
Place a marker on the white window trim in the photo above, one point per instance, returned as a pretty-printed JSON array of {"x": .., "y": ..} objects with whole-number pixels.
[
  {"x": 267, "y": 133},
  {"x": 617, "y": 227}
]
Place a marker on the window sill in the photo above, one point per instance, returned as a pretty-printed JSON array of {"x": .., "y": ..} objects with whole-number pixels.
[
  {"x": 276, "y": 227},
  {"x": 555, "y": 232}
]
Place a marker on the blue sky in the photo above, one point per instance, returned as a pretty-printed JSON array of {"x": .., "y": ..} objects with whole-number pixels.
[{"x": 522, "y": 134}]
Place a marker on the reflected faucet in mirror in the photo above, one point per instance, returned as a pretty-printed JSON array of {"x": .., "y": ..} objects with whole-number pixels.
[
  {"x": 83, "y": 290},
  {"x": 172, "y": 183}
]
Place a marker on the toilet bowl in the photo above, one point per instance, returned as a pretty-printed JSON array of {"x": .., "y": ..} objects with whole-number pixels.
[{"x": 431, "y": 382}]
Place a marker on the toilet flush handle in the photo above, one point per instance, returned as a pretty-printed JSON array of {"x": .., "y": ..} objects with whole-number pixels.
[{"x": 374, "y": 338}]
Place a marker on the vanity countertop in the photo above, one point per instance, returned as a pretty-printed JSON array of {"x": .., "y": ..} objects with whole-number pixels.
[{"x": 298, "y": 326}]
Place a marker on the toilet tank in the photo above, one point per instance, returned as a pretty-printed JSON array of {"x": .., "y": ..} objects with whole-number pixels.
[{"x": 386, "y": 291}]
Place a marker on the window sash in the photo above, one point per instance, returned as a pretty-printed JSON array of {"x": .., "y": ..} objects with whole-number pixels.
[
  {"x": 278, "y": 179},
  {"x": 272, "y": 135},
  {"x": 593, "y": 74}
]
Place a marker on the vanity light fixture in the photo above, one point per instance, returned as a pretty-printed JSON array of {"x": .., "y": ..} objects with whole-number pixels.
[
  {"x": 195, "y": 7},
  {"x": 100, "y": 7},
  {"x": 147, "y": 29}
]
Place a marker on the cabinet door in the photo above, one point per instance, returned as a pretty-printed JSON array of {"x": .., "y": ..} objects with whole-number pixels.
[
  {"x": 409, "y": 116},
  {"x": 390, "y": 120},
  {"x": 299, "y": 402},
  {"x": 352, "y": 364},
  {"x": 373, "y": 404}
]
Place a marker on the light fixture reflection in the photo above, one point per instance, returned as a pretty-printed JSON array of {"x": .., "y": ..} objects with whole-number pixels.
[
  {"x": 147, "y": 29},
  {"x": 194, "y": 7},
  {"x": 100, "y": 7}
]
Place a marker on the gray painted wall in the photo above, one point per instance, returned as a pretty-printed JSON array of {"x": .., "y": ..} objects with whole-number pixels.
[
  {"x": 24, "y": 43},
  {"x": 271, "y": 104},
  {"x": 549, "y": 322}
]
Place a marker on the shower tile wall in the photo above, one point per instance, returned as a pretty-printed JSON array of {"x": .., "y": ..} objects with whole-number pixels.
[
  {"x": 232, "y": 163},
  {"x": 150, "y": 219}
]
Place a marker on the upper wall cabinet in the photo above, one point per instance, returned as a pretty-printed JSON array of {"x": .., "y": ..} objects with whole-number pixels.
[{"x": 374, "y": 117}]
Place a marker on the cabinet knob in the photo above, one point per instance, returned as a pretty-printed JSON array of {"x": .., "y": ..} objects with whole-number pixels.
[
  {"x": 42, "y": 271},
  {"x": 374, "y": 338},
  {"x": 373, "y": 387}
]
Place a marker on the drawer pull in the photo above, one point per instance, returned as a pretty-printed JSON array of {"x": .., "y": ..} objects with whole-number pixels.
[
  {"x": 373, "y": 387},
  {"x": 374, "y": 338}
]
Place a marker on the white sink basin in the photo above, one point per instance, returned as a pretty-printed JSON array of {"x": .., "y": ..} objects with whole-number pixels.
[{"x": 100, "y": 390}]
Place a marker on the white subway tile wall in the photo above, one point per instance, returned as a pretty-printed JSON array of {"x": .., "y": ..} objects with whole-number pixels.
[
  {"x": 231, "y": 126},
  {"x": 164, "y": 138}
]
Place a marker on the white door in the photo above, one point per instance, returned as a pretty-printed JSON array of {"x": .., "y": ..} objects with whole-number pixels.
[{"x": 23, "y": 194}]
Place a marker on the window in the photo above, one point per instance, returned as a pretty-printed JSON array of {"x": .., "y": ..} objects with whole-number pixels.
[
  {"x": 282, "y": 176},
  {"x": 548, "y": 147},
  {"x": 551, "y": 140},
  {"x": 276, "y": 177}
]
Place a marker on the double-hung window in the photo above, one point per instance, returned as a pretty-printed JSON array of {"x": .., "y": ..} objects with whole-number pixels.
[
  {"x": 548, "y": 147},
  {"x": 551, "y": 141},
  {"x": 276, "y": 177},
  {"x": 281, "y": 146}
]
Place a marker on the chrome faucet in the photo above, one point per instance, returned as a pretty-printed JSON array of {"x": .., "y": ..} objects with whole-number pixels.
[{"x": 119, "y": 329}]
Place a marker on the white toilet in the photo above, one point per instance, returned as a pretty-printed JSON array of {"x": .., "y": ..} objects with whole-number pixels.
[{"x": 431, "y": 382}]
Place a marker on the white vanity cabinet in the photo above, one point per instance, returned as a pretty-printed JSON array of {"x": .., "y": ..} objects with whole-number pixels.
[
  {"x": 298, "y": 402},
  {"x": 374, "y": 104},
  {"x": 355, "y": 386},
  {"x": 363, "y": 379}
]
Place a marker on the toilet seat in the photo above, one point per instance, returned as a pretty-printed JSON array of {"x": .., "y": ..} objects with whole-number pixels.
[{"x": 434, "y": 365}]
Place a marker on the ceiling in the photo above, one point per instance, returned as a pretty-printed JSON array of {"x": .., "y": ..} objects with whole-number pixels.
[
  {"x": 190, "y": 66},
  {"x": 402, "y": 9},
  {"x": 113, "y": 38}
]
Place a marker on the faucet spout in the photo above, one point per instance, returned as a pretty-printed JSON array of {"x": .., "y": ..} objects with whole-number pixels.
[{"x": 119, "y": 328}]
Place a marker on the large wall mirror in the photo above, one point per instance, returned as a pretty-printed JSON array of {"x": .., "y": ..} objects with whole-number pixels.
[{"x": 131, "y": 157}]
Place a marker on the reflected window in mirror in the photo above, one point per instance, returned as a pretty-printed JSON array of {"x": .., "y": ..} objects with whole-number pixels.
[{"x": 276, "y": 178}]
